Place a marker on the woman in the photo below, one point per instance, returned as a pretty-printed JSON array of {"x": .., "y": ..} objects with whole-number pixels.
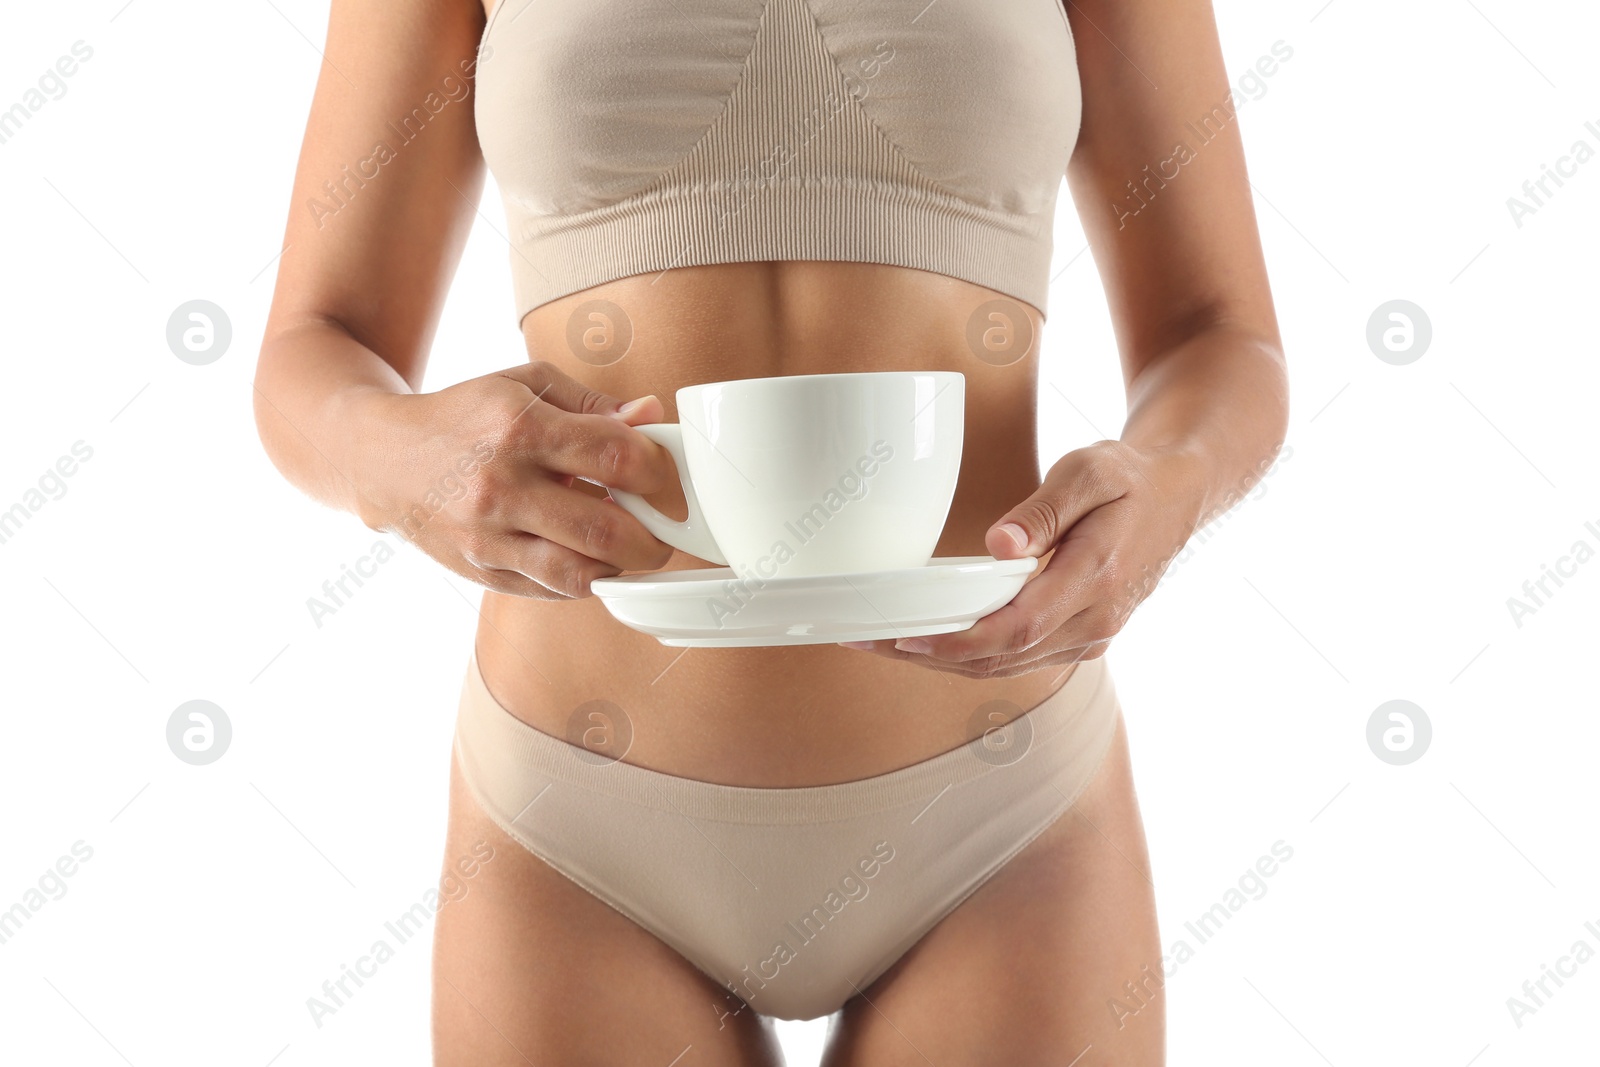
[{"x": 768, "y": 188}]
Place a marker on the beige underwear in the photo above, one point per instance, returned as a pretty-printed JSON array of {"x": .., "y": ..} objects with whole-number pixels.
[
  {"x": 636, "y": 138},
  {"x": 792, "y": 899}
]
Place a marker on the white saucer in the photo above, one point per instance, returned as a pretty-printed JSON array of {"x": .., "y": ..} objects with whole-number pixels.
[{"x": 713, "y": 607}]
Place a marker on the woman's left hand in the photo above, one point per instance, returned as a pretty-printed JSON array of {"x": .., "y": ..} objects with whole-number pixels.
[{"x": 1114, "y": 516}]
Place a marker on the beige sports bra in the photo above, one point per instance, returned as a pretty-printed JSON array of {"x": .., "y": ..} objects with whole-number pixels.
[{"x": 634, "y": 136}]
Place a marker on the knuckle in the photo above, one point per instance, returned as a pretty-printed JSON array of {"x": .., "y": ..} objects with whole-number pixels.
[
  {"x": 508, "y": 434},
  {"x": 562, "y": 574},
  {"x": 1028, "y": 631},
  {"x": 480, "y": 495},
  {"x": 471, "y": 547},
  {"x": 602, "y": 535},
  {"x": 525, "y": 427},
  {"x": 580, "y": 574},
  {"x": 615, "y": 459},
  {"x": 587, "y": 573},
  {"x": 1040, "y": 516},
  {"x": 474, "y": 543},
  {"x": 593, "y": 400}
]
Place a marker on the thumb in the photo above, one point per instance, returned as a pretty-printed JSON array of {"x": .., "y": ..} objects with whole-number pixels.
[
  {"x": 554, "y": 386},
  {"x": 1009, "y": 539},
  {"x": 1034, "y": 527},
  {"x": 645, "y": 409}
]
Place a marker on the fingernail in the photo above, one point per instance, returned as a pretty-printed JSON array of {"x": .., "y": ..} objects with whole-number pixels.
[
  {"x": 1016, "y": 533},
  {"x": 865, "y": 646},
  {"x": 913, "y": 644},
  {"x": 631, "y": 406}
]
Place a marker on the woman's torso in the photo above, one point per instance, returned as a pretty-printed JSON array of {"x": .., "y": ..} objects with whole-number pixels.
[
  {"x": 797, "y": 715},
  {"x": 809, "y": 714}
]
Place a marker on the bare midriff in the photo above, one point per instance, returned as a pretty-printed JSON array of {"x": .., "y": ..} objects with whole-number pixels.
[{"x": 798, "y": 715}]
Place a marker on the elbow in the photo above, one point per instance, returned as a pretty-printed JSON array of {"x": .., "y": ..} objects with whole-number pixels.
[
  {"x": 258, "y": 411},
  {"x": 1275, "y": 372},
  {"x": 1257, "y": 338},
  {"x": 272, "y": 425},
  {"x": 268, "y": 419}
]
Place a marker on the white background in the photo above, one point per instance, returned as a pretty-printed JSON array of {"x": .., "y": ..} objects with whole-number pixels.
[{"x": 1374, "y": 564}]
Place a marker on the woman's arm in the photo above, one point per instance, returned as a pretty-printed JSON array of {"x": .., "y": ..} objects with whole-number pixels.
[
  {"x": 1159, "y": 179},
  {"x": 376, "y": 229},
  {"x": 479, "y": 474},
  {"x": 1170, "y": 220}
]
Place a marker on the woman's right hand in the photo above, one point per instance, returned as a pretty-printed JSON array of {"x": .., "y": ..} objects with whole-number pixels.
[{"x": 480, "y": 477}]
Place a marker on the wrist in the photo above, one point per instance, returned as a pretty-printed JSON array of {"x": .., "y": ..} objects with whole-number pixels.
[
  {"x": 1186, "y": 475},
  {"x": 1212, "y": 483}
]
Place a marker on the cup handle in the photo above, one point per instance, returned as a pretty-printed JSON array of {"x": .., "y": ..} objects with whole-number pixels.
[{"x": 691, "y": 535}]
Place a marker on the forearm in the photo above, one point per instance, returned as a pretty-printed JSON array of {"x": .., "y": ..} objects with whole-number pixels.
[
  {"x": 1219, "y": 401},
  {"x": 315, "y": 385}
]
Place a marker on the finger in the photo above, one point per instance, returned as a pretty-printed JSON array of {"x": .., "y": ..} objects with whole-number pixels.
[
  {"x": 886, "y": 650},
  {"x": 555, "y": 568},
  {"x": 1077, "y": 484},
  {"x": 548, "y": 384},
  {"x": 883, "y": 647},
  {"x": 507, "y": 582},
  {"x": 1058, "y": 650},
  {"x": 600, "y": 449},
  {"x": 593, "y": 527},
  {"x": 1058, "y": 664},
  {"x": 638, "y": 412},
  {"x": 1012, "y": 666},
  {"x": 576, "y": 429},
  {"x": 1069, "y": 583}
]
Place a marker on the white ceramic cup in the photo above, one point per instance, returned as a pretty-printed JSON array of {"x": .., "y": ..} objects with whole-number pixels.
[{"x": 813, "y": 473}]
